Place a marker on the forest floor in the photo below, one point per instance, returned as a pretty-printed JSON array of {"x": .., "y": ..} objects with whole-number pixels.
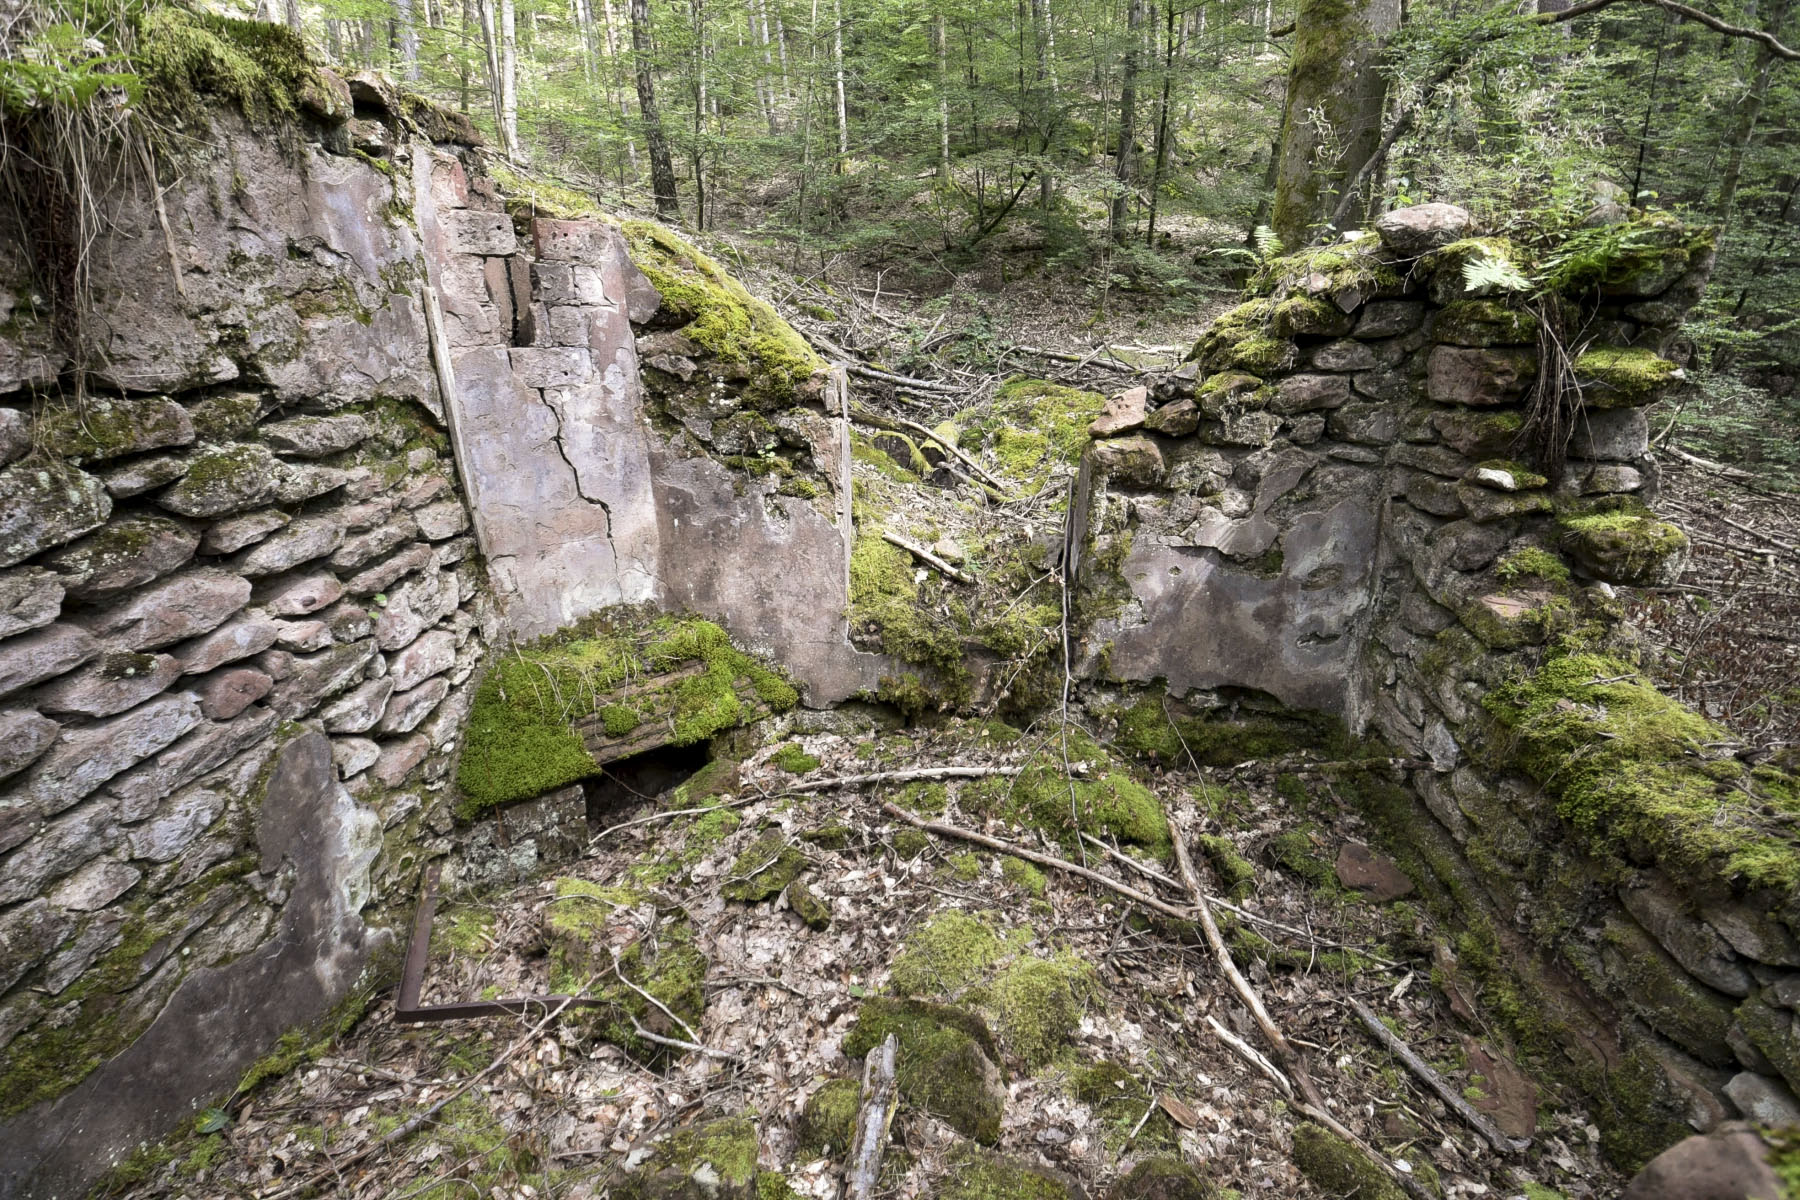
[{"x": 1127, "y": 1066}]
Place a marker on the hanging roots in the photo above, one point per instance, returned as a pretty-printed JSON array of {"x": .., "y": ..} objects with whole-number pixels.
[{"x": 1554, "y": 404}]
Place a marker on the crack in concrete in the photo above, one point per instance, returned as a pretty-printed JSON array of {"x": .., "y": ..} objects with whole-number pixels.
[{"x": 575, "y": 474}]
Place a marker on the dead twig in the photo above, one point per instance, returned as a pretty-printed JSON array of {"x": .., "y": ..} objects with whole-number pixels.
[
  {"x": 1449, "y": 1095},
  {"x": 670, "y": 815},
  {"x": 867, "y": 416},
  {"x": 925, "y": 556},
  {"x": 823, "y": 785}
]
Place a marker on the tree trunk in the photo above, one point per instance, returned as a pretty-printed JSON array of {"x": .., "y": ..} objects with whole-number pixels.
[
  {"x": 1335, "y": 98},
  {"x": 490, "y": 43},
  {"x": 943, "y": 81},
  {"x": 837, "y": 60},
  {"x": 292, "y": 11},
  {"x": 662, "y": 167},
  {"x": 1749, "y": 111},
  {"x": 697, "y": 156},
  {"x": 407, "y": 40},
  {"x": 1162, "y": 125},
  {"x": 1121, "y": 205}
]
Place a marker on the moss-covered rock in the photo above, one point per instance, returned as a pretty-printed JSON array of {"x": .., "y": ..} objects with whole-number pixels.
[
  {"x": 766, "y": 866},
  {"x": 1038, "y": 1004},
  {"x": 716, "y": 312},
  {"x": 669, "y": 967},
  {"x": 1483, "y": 323},
  {"x": 1338, "y": 1169},
  {"x": 828, "y": 1121},
  {"x": 885, "y": 606},
  {"x": 1237, "y": 874},
  {"x": 1031, "y": 425},
  {"x": 1244, "y": 339},
  {"x": 808, "y": 907},
  {"x": 793, "y": 759},
  {"x": 978, "y": 1175},
  {"x": 947, "y": 1061},
  {"x": 951, "y": 951},
  {"x": 259, "y": 68},
  {"x": 107, "y": 427},
  {"x": 714, "y": 1159},
  {"x": 1162, "y": 1177},
  {"x": 1623, "y": 543},
  {"x": 1622, "y": 377}
]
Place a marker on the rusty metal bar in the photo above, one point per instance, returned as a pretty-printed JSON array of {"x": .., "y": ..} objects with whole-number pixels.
[{"x": 408, "y": 1010}]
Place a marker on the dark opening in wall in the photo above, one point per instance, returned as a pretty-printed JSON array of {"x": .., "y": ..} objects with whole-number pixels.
[{"x": 628, "y": 781}]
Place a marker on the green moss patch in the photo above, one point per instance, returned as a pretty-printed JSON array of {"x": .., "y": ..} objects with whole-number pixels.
[
  {"x": 947, "y": 1061},
  {"x": 794, "y": 760},
  {"x": 766, "y": 866},
  {"x": 1532, "y": 562},
  {"x": 1356, "y": 265},
  {"x": 1031, "y": 425},
  {"x": 1338, "y": 1168},
  {"x": 948, "y": 953},
  {"x": 1243, "y": 339},
  {"x": 1483, "y": 323},
  {"x": 1620, "y": 541},
  {"x": 722, "y": 317},
  {"x": 978, "y": 1175},
  {"x": 885, "y": 603},
  {"x": 1038, "y": 1004},
  {"x": 715, "y": 1157},
  {"x": 520, "y": 740},
  {"x": 260, "y": 69},
  {"x": 1620, "y": 377},
  {"x": 828, "y": 1121},
  {"x": 1024, "y": 876}
]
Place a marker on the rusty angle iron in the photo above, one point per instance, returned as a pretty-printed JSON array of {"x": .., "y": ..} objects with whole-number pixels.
[{"x": 408, "y": 1010}]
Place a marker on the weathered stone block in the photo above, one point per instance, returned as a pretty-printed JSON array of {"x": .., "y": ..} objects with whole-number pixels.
[
  {"x": 178, "y": 823},
  {"x": 302, "y": 682},
  {"x": 124, "y": 554},
  {"x": 469, "y": 231},
  {"x": 303, "y": 541},
  {"x": 358, "y": 710},
  {"x": 303, "y": 637},
  {"x": 315, "y": 437},
  {"x": 416, "y": 606},
  {"x": 424, "y": 490},
  {"x": 210, "y": 745},
  {"x": 85, "y": 758},
  {"x": 304, "y": 481},
  {"x": 1653, "y": 985},
  {"x": 43, "y": 654},
  {"x": 443, "y": 520},
  {"x": 118, "y": 681},
  {"x": 1341, "y": 356},
  {"x": 1617, "y": 434},
  {"x": 385, "y": 574},
  {"x": 406, "y": 709},
  {"x": 181, "y": 606},
  {"x": 24, "y": 736},
  {"x": 225, "y": 694},
  {"x": 1309, "y": 393},
  {"x": 365, "y": 548},
  {"x": 59, "y": 847},
  {"x": 1123, "y": 413},
  {"x": 353, "y": 755},
  {"x": 432, "y": 654},
  {"x": 249, "y": 634},
  {"x": 309, "y": 593},
  {"x": 225, "y": 481},
  {"x": 1410, "y": 232},
  {"x": 44, "y": 504},
  {"x": 1365, "y": 423},
  {"x": 234, "y": 533},
  {"x": 1177, "y": 419},
  {"x": 27, "y": 936},
  {"x": 15, "y": 434},
  {"x": 1130, "y": 460},
  {"x": 30, "y": 598},
  {"x": 1483, "y": 503},
  {"x": 552, "y": 366},
  {"x": 1658, "y": 906},
  {"x": 96, "y": 885},
  {"x": 1480, "y": 378},
  {"x": 143, "y": 475},
  {"x": 107, "y": 427},
  {"x": 1385, "y": 385},
  {"x": 398, "y": 759},
  {"x": 1387, "y": 318}
]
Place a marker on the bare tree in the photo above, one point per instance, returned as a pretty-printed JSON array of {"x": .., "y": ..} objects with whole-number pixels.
[
  {"x": 662, "y": 167},
  {"x": 1121, "y": 205}
]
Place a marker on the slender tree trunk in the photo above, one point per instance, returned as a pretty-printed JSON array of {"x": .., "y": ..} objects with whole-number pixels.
[
  {"x": 490, "y": 43},
  {"x": 943, "y": 81},
  {"x": 1749, "y": 111},
  {"x": 509, "y": 79},
  {"x": 1162, "y": 125},
  {"x": 787, "y": 90},
  {"x": 1121, "y": 205},
  {"x": 698, "y": 155},
  {"x": 1335, "y": 98},
  {"x": 407, "y": 41},
  {"x": 837, "y": 60},
  {"x": 662, "y": 167},
  {"x": 617, "y": 59},
  {"x": 291, "y": 10}
]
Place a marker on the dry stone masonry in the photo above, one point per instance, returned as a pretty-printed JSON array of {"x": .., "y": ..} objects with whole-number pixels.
[{"x": 1335, "y": 506}]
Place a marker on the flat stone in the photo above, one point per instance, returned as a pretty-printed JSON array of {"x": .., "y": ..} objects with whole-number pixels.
[
  {"x": 119, "y": 680},
  {"x": 1342, "y": 355},
  {"x": 357, "y": 710},
  {"x": 15, "y": 434},
  {"x": 30, "y": 598},
  {"x": 43, "y": 654},
  {"x": 178, "y": 823},
  {"x": 246, "y": 529},
  {"x": 181, "y": 606},
  {"x": 1657, "y": 905},
  {"x": 1480, "y": 378},
  {"x": 24, "y": 736},
  {"x": 420, "y": 603},
  {"x": 225, "y": 694},
  {"x": 1388, "y": 318},
  {"x": 432, "y": 654},
  {"x": 368, "y": 514},
  {"x": 109, "y": 427},
  {"x": 1763, "y": 1100},
  {"x": 1410, "y": 232},
  {"x": 398, "y": 759},
  {"x": 1130, "y": 460},
  {"x": 388, "y": 572},
  {"x": 1375, "y": 875},
  {"x": 303, "y": 682},
  {"x": 309, "y": 593},
  {"x": 424, "y": 490},
  {"x": 1309, "y": 393},
  {"x": 470, "y": 231},
  {"x": 349, "y": 621},
  {"x": 443, "y": 520},
  {"x": 27, "y": 936},
  {"x": 85, "y": 758},
  {"x": 1607, "y": 479},
  {"x": 1365, "y": 423},
  {"x": 406, "y": 709},
  {"x": 550, "y": 366},
  {"x": 1123, "y": 413},
  {"x": 1730, "y": 1163},
  {"x": 210, "y": 745},
  {"x": 315, "y": 437},
  {"x": 223, "y": 416},
  {"x": 1508, "y": 1094},
  {"x": 353, "y": 755},
  {"x": 249, "y": 634},
  {"x": 303, "y": 637},
  {"x": 303, "y": 541},
  {"x": 1438, "y": 460},
  {"x": 1385, "y": 385},
  {"x": 1753, "y": 933},
  {"x": 1486, "y": 504},
  {"x": 365, "y": 548},
  {"x": 96, "y": 885},
  {"x": 123, "y": 554},
  {"x": 1237, "y": 539},
  {"x": 59, "y": 847},
  {"x": 304, "y": 481},
  {"x": 1619, "y": 434},
  {"x": 143, "y": 475},
  {"x": 1175, "y": 420},
  {"x": 224, "y": 481},
  {"x": 45, "y": 504}
]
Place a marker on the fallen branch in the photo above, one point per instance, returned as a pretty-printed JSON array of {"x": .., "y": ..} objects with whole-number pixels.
[
  {"x": 923, "y": 385},
  {"x": 1449, "y": 1095},
  {"x": 1253, "y": 1056},
  {"x": 823, "y": 785},
  {"x": 680, "y": 1044},
  {"x": 1047, "y": 860},
  {"x": 1707, "y": 464},
  {"x": 413, "y": 1124},
  {"x": 1061, "y": 356},
  {"x": 923, "y": 555},
  {"x": 902, "y": 425},
  {"x": 670, "y": 815},
  {"x": 879, "y": 1099}
]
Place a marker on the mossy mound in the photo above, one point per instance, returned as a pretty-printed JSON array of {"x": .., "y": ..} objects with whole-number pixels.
[
  {"x": 828, "y": 1121},
  {"x": 793, "y": 759},
  {"x": 885, "y": 605},
  {"x": 1024, "y": 876},
  {"x": 1038, "y": 1004},
  {"x": 521, "y": 738},
  {"x": 1030, "y": 427},
  {"x": 766, "y": 865},
  {"x": 668, "y": 966},
  {"x": 1359, "y": 265},
  {"x": 715, "y": 1159},
  {"x": 1532, "y": 562},
  {"x": 1169, "y": 733},
  {"x": 1122, "y": 1104},
  {"x": 1630, "y": 772},
  {"x": 723, "y": 318},
  {"x": 948, "y": 953},
  {"x": 1339, "y": 1169},
  {"x": 1244, "y": 339},
  {"x": 808, "y": 907},
  {"x": 259, "y": 68},
  {"x": 1237, "y": 874},
  {"x": 1624, "y": 543},
  {"x": 1622, "y": 377},
  {"x": 947, "y": 1061},
  {"x": 1162, "y": 1177},
  {"x": 978, "y": 1175}
]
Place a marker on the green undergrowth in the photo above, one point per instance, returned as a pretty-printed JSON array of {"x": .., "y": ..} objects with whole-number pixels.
[
  {"x": 260, "y": 68},
  {"x": 521, "y": 740},
  {"x": 1031, "y": 426},
  {"x": 1169, "y": 733},
  {"x": 722, "y": 317},
  {"x": 1632, "y": 771},
  {"x": 527, "y": 196}
]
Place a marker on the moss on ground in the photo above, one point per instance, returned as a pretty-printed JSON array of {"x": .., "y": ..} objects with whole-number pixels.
[
  {"x": 1038, "y": 1004},
  {"x": 948, "y": 953},
  {"x": 1630, "y": 772},
  {"x": 722, "y": 317},
  {"x": 1122, "y": 1103},
  {"x": 948, "y": 1061},
  {"x": 828, "y": 1121},
  {"x": 716, "y": 1157},
  {"x": 520, "y": 739},
  {"x": 793, "y": 759},
  {"x": 1225, "y": 739},
  {"x": 766, "y": 866},
  {"x": 1237, "y": 874},
  {"x": 1338, "y": 1168},
  {"x": 974, "y": 1174},
  {"x": 885, "y": 602},
  {"x": 1024, "y": 876},
  {"x": 1031, "y": 426}
]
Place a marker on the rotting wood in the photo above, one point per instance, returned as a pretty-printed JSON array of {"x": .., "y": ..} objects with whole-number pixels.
[
  {"x": 880, "y": 1098},
  {"x": 1449, "y": 1095},
  {"x": 907, "y": 776},
  {"x": 925, "y": 556}
]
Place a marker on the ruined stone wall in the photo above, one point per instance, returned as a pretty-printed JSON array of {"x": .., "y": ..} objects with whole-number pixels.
[{"x": 1329, "y": 507}]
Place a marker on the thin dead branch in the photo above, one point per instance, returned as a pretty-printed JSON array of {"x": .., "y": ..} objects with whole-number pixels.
[
  {"x": 880, "y": 1097},
  {"x": 1449, "y": 1095},
  {"x": 925, "y": 556}
]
